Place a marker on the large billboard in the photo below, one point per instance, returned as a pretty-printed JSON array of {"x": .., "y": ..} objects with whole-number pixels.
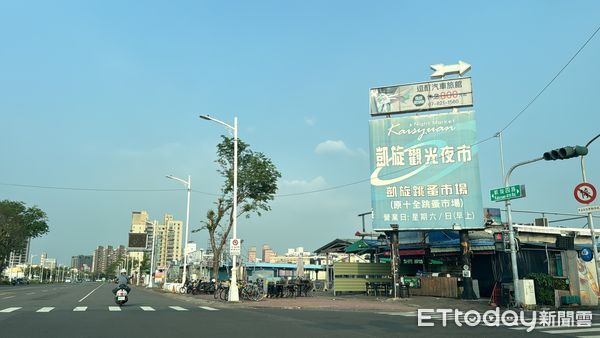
[
  {"x": 425, "y": 172},
  {"x": 137, "y": 240},
  {"x": 432, "y": 95}
]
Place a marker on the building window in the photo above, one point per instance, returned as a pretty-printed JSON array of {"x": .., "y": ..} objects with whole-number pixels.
[{"x": 555, "y": 267}]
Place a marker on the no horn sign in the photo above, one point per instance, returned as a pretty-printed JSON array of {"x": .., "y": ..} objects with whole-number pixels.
[{"x": 585, "y": 193}]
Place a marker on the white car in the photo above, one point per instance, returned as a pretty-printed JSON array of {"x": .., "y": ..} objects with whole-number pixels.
[{"x": 68, "y": 280}]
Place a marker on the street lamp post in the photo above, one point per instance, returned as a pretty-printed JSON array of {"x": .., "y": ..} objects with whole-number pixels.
[
  {"x": 151, "y": 282},
  {"x": 30, "y": 264},
  {"x": 188, "y": 184},
  {"x": 41, "y": 271},
  {"x": 233, "y": 289}
]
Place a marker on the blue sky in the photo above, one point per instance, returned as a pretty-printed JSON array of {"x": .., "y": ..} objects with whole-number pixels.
[{"x": 106, "y": 95}]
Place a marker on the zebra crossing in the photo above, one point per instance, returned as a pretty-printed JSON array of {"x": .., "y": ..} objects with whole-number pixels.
[
  {"x": 591, "y": 331},
  {"x": 144, "y": 308}
]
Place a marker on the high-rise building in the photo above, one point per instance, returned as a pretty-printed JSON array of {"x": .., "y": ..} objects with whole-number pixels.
[
  {"x": 252, "y": 255},
  {"x": 104, "y": 257},
  {"x": 171, "y": 238},
  {"x": 81, "y": 261},
  {"x": 267, "y": 253},
  {"x": 166, "y": 238},
  {"x": 19, "y": 257},
  {"x": 139, "y": 224},
  {"x": 98, "y": 260}
]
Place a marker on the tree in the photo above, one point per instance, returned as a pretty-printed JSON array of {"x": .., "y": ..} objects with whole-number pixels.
[
  {"x": 257, "y": 185},
  {"x": 17, "y": 224}
]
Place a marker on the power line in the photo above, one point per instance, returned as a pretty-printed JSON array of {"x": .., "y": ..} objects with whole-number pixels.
[
  {"x": 551, "y": 81},
  {"x": 213, "y": 194},
  {"x": 367, "y": 179},
  {"x": 330, "y": 188},
  {"x": 482, "y": 141},
  {"x": 98, "y": 189}
]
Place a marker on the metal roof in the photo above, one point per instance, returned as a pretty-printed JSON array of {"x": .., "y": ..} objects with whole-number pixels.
[{"x": 284, "y": 266}]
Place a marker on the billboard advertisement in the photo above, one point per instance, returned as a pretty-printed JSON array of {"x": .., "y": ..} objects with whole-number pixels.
[
  {"x": 137, "y": 240},
  {"x": 432, "y": 95},
  {"x": 425, "y": 172}
]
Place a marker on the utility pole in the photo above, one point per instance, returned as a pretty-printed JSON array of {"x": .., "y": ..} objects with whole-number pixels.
[{"x": 590, "y": 219}]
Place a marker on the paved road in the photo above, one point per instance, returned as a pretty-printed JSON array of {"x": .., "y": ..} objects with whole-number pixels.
[{"x": 88, "y": 310}]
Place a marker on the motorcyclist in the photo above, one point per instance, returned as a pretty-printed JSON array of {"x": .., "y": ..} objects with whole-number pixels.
[{"x": 122, "y": 281}]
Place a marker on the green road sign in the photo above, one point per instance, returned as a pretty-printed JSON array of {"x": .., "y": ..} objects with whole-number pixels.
[{"x": 508, "y": 193}]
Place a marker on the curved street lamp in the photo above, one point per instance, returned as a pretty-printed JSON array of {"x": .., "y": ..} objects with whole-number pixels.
[
  {"x": 233, "y": 289},
  {"x": 188, "y": 185}
]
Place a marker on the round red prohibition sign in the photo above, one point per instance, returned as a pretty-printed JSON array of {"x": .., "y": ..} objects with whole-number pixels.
[
  {"x": 585, "y": 193},
  {"x": 235, "y": 242}
]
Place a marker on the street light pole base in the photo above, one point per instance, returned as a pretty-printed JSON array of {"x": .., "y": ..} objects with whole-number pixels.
[{"x": 234, "y": 295}]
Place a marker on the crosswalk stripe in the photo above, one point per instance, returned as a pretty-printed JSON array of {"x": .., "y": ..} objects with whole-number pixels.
[
  {"x": 177, "y": 308},
  {"x": 405, "y": 314},
  {"x": 573, "y": 331},
  {"x": 147, "y": 308},
  {"x": 80, "y": 309},
  {"x": 114, "y": 308},
  {"x": 209, "y": 308},
  {"x": 45, "y": 309},
  {"x": 10, "y": 309},
  {"x": 557, "y": 328}
]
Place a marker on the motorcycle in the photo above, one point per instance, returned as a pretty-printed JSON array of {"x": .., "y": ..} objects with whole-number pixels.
[{"x": 121, "y": 296}]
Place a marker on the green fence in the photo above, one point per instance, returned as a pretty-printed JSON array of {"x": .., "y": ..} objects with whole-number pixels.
[{"x": 352, "y": 277}]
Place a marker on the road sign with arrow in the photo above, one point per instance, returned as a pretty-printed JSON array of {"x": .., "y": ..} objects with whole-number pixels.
[{"x": 441, "y": 70}]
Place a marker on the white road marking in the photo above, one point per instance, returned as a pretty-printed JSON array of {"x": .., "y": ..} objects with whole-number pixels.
[
  {"x": 177, "y": 308},
  {"x": 10, "y": 309},
  {"x": 9, "y": 297},
  {"x": 209, "y": 308},
  {"x": 405, "y": 314},
  {"x": 556, "y": 328},
  {"x": 45, "y": 309},
  {"x": 80, "y": 309},
  {"x": 30, "y": 293},
  {"x": 147, "y": 308},
  {"x": 114, "y": 308},
  {"x": 573, "y": 331},
  {"x": 86, "y": 296}
]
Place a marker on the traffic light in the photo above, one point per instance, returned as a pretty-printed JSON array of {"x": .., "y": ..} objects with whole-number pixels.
[
  {"x": 565, "y": 153},
  {"x": 502, "y": 241}
]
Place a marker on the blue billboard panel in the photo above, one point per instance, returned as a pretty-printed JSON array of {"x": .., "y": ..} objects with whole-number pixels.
[{"x": 425, "y": 172}]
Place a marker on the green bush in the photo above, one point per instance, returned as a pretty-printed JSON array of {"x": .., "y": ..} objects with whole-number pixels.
[{"x": 545, "y": 286}]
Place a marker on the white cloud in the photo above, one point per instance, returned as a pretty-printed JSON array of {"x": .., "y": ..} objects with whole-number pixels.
[
  {"x": 337, "y": 147},
  {"x": 316, "y": 183}
]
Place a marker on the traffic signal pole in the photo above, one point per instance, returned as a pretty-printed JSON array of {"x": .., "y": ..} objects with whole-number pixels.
[
  {"x": 590, "y": 219},
  {"x": 511, "y": 235}
]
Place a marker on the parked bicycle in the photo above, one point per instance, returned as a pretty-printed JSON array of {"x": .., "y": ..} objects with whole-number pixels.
[
  {"x": 222, "y": 291},
  {"x": 251, "y": 291}
]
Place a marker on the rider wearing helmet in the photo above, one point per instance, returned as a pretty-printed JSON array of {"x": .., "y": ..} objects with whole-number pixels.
[{"x": 122, "y": 281}]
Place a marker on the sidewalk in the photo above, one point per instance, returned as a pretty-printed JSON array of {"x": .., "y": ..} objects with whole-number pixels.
[{"x": 353, "y": 302}]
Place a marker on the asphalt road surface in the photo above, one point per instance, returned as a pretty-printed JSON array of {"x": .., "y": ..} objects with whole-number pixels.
[{"x": 88, "y": 310}]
